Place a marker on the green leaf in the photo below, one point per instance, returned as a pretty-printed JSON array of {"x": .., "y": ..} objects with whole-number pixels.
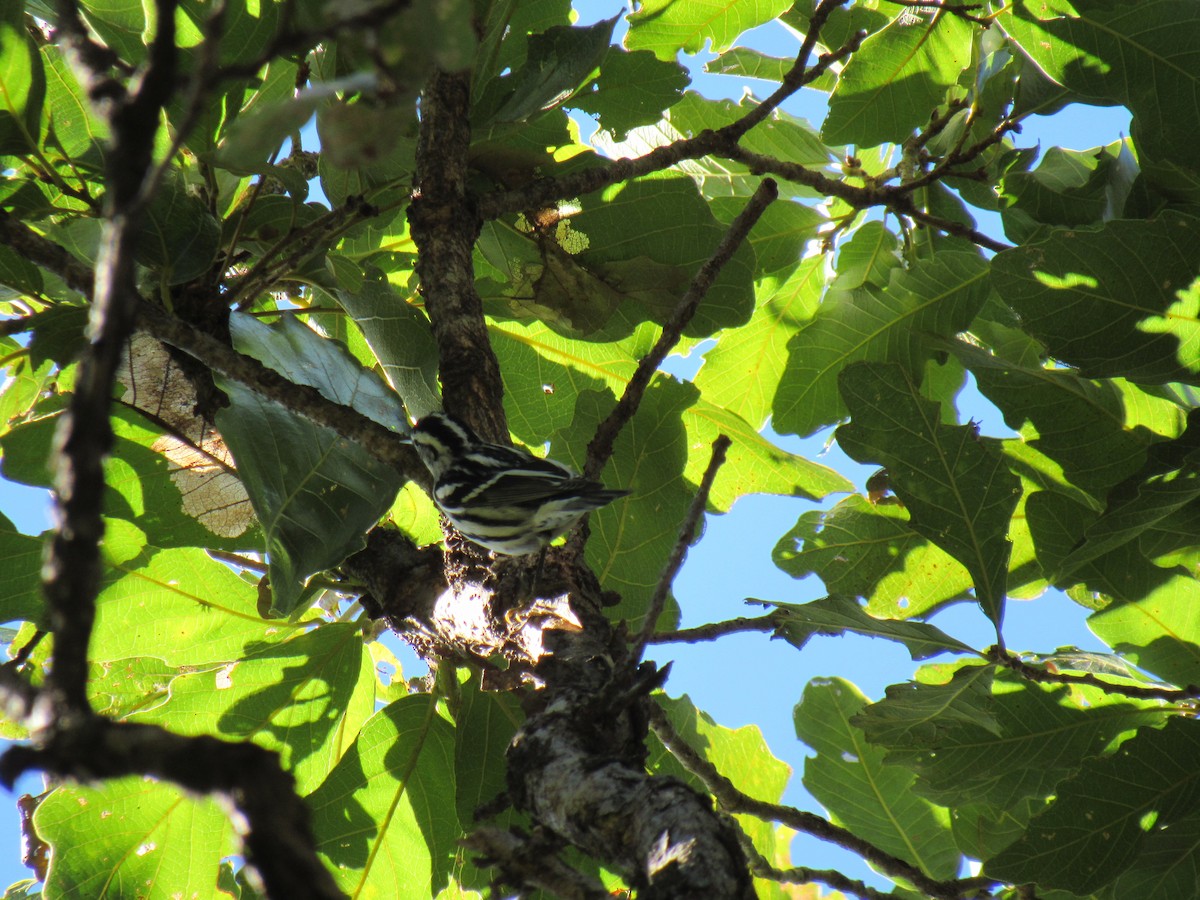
[
  {"x": 1098, "y": 431},
  {"x": 870, "y": 551},
  {"x": 19, "y": 273},
  {"x": 898, "y": 77},
  {"x": 301, "y": 694},
  {"x": 484, "y": 727},
  {"x": 745, "y": 62},
  {"x": 315, "y": 494},
  {"x": 1128, "y": 517},
  {"x": 676, "y": 229},
  {"x": 935, "y": 297},
  {"x": 384, "y": 819},
  {"x": 167, "y": 486},
  {"x": 667, "y": 27},
  {"x": 1115, "y": 53},
  {"x": 781, "y": 136},
  {"x": 133, "y": 837},
  {"x": 968, "y": 748},
  {"x": 179, "y": 235},
  {"x": 1159, "y": 632},
  {"x": 1071, "y": 188},
  {"x": 22, "y": 87},
  {"x": 869, "y": 257},
  {"x": 959, "y": 492},
  {"x": 58, "y": 334},
  {"x": 875, "y": 801},
  {"x": 838, "y": 614},
  {"x": 1116, "y": 809},
  {"x": 400, "y": 337},
  {"x": 740, "y": 754},
  {"x": 20, "y": 575},
  {"x": 1113, "y": 302},
  {"x": 180, "y": 606},
  {"x": 634, "y": 88},
  {"x": 919, "y": 714},
  {"x": 557, "y": 62},
  {"x": 248, "y": 27},
  {"x": 742, "y": 373}
]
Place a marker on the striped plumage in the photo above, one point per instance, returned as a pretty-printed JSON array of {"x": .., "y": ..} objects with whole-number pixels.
[{"x": 502, "y": 498}]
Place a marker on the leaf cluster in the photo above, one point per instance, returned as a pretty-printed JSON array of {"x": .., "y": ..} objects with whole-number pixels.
[{"x": 860, "y": 304}]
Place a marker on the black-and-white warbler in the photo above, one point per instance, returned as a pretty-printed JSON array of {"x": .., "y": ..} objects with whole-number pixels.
[{"x": 502, "y": 498}]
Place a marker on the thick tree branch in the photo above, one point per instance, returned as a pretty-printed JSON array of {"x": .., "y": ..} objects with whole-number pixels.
[
  {"x": 444, "y": 228},
  {"x": 277, "y": 840},
  {"x": 68, "y": 738},
  {"x": 601, "y": 446},
  {"x": 381, "y": 442}
]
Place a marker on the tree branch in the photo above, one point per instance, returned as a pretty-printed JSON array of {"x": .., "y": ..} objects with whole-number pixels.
[
  {"x": 734, "y": 801},
  {"x": 380, "y": 442},
  {"x": 278, "y": 842},
  {"x": 601, "y": 446},
  {"x": 1041, "y": 675},
  {"x": 687, "y": 533},
  {"x": 68, "y": 738},
  {"x": 714, "y": 630},
  {"x": 444, "y": 228}
]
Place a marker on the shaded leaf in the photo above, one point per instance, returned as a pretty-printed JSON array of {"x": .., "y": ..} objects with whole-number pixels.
[
  {"x": 1117, "y": 808},
  {"x": 838, "y": 614},
  {"x": 1113, "y": 302},
  {"x": 1160, "y": 632},
  {"x": 875, "y": 801},
  {"x": 742, "y": 373},
  {"x": 935, "y": 297},
  {"x": 959, "y": 492},
  {"x": 20, "y": 575},
  {"x": 22, "y": 86},
  {"x": 400, "y": 337},
  {"x": 314, "y": 493},
  {"x": 1115, "y": 53},
  {"x": 966, "y": 748},
  {"x": 898, "y": 77},
  {"x": 1098, "y": 431},
  {"x": 302, "y": 694},
  {"x": 557, "y": 62},
  {"x": 870, "y": 551},
  {"x": 383, "y": 818}
]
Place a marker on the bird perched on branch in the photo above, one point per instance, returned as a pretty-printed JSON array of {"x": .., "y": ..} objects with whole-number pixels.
[{"x": 502, "y": 498}]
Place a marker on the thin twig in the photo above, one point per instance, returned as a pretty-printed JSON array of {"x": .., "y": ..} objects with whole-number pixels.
[
  {"x": 735, "y": 801},
  {"x": 804, "y": 875},
  {"x": 799, "y": 75},
  {"x": 687, "y": 533},
  {"x": 949, "y": 226},
  {"x": 26, "y": 650},
  {"x": 714, "y": 630},
  {"x": 601, "y": 446},
  {"x": 1045, "y": 676}
]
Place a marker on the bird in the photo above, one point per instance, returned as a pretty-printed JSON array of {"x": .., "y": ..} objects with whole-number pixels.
[{"x": 502, "y": 498}]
